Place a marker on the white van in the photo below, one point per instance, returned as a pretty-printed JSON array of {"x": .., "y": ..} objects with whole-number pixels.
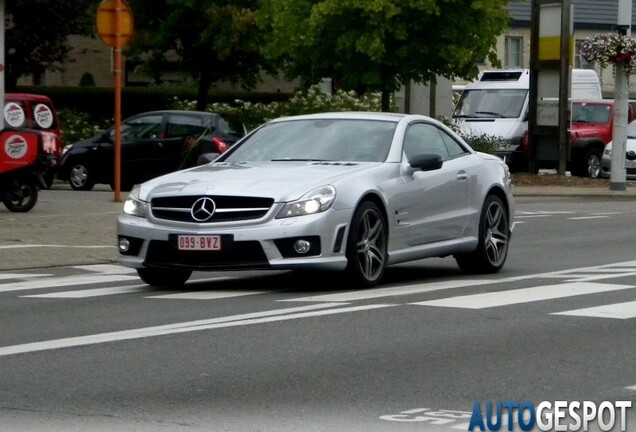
[{"x": 497, "y": 103}]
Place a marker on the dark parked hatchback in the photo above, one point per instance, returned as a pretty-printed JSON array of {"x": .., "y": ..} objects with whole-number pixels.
[{"x": 152, "y": 144}]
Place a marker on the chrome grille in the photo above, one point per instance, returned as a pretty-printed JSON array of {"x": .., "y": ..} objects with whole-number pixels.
[{"x": 228, "y": 208}]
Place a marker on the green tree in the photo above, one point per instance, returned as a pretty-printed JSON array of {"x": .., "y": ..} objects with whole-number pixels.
[
  {"x": 380, "y": 44},
  {"x": 36, "y": 33},
  {"x": 214, "y": 39}
]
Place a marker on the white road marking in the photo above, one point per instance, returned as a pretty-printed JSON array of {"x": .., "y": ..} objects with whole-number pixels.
[
  {"x": 56, "y": 246},
  {"x": 391, "y": 291},
  {"x": 532, "y": 216},
  {"x": 631, "y": 388},
  {"x": 4, "y": 276},
  {"x": 587, "y": 217},
  {"x": 97, "y": 292},
  {"x": 64, "y": 281},
  {"x": 106, "y": 269},
  {"x": 206, "y": 295},
  {"x": 185, "y": 327},
  {"x": 616, "y": 311},
  {"x": 524, "y": 295}
]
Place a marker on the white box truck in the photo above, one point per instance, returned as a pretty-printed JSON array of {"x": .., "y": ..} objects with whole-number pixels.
[{"x": 496, "y": 104}]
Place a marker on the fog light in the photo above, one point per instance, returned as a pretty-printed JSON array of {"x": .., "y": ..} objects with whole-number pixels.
[
  {"x": 124, "y": 244},
  {"x": 302, "y": 246}
]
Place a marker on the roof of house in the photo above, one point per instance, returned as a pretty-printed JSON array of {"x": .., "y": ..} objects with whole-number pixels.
[{"x": 588, "y": 14}]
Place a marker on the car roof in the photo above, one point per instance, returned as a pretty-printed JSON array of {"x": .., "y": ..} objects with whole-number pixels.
[
  {"x": 198, "y": 113},
  {"x": 26, "y": 96},
  {"x": 348, "y": 115}
]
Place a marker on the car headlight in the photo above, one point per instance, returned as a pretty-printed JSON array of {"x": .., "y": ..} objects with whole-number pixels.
[
  {"x": 66, "y": 148},
  {"x": 133, "y": 205},
  {"x": 313, "y": 202},
  {"x": 607, "y": 151}
]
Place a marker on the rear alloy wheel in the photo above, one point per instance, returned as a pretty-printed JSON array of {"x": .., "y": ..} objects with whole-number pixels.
[
  {"x": 494, "y": 236},
  {"x": 81, "y": 177},
  {"x": 367, "y": 245},
  {"x": 164, "y": 277}
]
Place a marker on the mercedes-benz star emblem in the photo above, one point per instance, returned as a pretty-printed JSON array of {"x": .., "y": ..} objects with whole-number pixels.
[{"x": 203, "y": 209}]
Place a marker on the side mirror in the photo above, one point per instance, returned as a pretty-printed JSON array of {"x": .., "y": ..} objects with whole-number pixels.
[
  {"x": 206, "y": 158},
  {"x": 426, "y": 162}
]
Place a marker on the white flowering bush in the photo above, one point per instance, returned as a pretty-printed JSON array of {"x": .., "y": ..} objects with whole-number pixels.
[
  {"x": 310, "y": 101},
  {"x": 610, "y": 49},
  {"x": 77, "y": 125}
]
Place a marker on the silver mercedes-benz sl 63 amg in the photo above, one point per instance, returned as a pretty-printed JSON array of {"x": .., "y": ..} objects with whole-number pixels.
[{"x": 350, "y": 191}]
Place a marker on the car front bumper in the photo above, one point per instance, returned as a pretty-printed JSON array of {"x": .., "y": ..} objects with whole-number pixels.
[
  {"x": 606, "y": 165},
  {"x": 255, "y": 244}
]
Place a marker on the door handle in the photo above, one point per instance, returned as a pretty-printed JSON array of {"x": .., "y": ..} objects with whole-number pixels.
[{"x": 462, "y": 175}]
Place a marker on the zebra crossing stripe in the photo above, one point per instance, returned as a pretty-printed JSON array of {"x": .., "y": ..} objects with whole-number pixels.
[
  {"x": 65, "y": 281},
  {"x": 616, "y": 311},
  {"x": 6, "y": 276},
  {"x": 95, "y": 292},
  {"x": 524, "y": 295},
  {"x": 206, "y": 295}
]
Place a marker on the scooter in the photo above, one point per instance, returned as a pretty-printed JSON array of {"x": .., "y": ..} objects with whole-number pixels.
[{"x": 25, "y": 156}]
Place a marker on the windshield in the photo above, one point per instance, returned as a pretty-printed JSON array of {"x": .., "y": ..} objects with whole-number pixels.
[
  {"x": 590, "y": 113},
  {"x": 491, "y": 103},
  {"x": 349, "y": 140}
]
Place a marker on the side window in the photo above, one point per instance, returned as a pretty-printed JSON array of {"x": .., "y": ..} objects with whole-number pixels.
[
  {"x": 181, "y": 126},
  {"x": 231, "y": 126},
  {"x": 454, "y": 148},
  {"x": 147, "y": 127},
  {"x": 424, "y": 138}
]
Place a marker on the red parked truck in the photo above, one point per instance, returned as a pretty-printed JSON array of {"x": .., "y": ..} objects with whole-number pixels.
[{"x": 591, "y": 127}]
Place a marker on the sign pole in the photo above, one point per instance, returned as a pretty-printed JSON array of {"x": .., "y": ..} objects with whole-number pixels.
[
  {"x": 117, "y": 74},
  {"x": 618, "y": 173},
  {"x": 115, "y": 28},
  {"x": 2, "y": 44}
]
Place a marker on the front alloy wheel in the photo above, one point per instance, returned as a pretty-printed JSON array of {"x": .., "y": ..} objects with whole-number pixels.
[
  {"x": 367, "y": 245},
  {"x": 494, "y": 236}
]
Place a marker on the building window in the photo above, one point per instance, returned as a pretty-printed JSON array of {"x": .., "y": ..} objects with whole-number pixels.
[
  {"x": 580, "y": 62},
  {"x": 514, "y": 52}
]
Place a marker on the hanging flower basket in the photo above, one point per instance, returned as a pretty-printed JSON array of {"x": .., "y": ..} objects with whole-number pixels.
[{"x": 610, "y": 49}]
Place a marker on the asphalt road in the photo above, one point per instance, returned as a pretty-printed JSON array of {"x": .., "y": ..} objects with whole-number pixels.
[{"x": 89, "y": 347}]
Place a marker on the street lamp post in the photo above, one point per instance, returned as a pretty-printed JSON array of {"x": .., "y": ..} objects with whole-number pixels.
[{"x": 621, "y": 95}]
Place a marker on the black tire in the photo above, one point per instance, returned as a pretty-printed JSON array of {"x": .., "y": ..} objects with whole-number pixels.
[
  {"x": 23, "y": 199},
  {"x": 494, "y": 236},
  {"x": 164, "y": 277},
  {"x": 81, "y": 176},
  {"x": 589, "y": 165},
  {"x": 367, "y": 244}
]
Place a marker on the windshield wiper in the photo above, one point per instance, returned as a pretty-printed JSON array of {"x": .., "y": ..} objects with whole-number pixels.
[
  {"x": 464, "y": 116},
  {"x": 496, "y": 114}
]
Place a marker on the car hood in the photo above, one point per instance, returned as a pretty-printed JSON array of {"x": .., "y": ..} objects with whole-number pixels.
[
  {"x": 284, "y": 181},
  {"x": 88, "y": 142},
  {"x": 630, "y": 145},
  {"x": 504, "y": 128}
]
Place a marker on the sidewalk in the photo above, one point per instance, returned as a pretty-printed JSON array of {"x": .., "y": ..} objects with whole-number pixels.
[
  {"x": 64, "y": 228},
  {"x": 69, "y": 227}
]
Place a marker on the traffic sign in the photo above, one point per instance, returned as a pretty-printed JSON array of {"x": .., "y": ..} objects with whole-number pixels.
[{"x": 107, "y": 22}]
